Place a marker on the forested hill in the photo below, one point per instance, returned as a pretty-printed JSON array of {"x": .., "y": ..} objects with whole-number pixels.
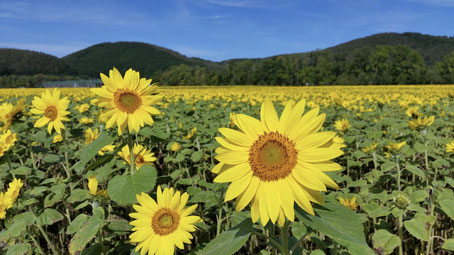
[
  {"x": 26, "y": 62},
  {"x": 147, "y": 58},
  {"x": 432, "y": 48},
  {"x": 386, "y": 58}
]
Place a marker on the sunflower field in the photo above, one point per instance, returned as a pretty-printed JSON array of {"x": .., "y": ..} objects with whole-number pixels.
[{"x": 135, "y": 168}]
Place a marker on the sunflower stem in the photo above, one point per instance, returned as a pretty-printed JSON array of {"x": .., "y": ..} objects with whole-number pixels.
[
  {"x": 269, "y": 238},
  {"x": 284, "y": 238},
  {"x": 68, "y": 171},
  {"x": 131, "y": 153},
  {"x": 51, "y": 245},
  {"x": 30, "y": 148}
]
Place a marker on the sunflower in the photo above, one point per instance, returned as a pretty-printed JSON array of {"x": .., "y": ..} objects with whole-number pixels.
[
  {"x": 350, "y": 203},
  {"x": 421, "y": 122},
  {"x": 450, "y": 147},
  {"x": 342, "y": 125},
  {"x": 274, "y": 162},
  {"x": 8, "y": 139},
  {"x": 14, "y": 188},
  {"x": 92, "y": 135},
  {"x": 142, "y": 156},
  {"x": 53, "y": 108},
  {"x": 9, "y": 112},
  {"x": 5, "y": 203},
  {"x": 161, "y": 226},
  {"x": 93, "y": 184},
  {"x": 127, "y": 100}
]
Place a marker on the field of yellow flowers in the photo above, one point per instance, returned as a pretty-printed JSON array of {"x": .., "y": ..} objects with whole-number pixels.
[{"x": 134, "y": 168}]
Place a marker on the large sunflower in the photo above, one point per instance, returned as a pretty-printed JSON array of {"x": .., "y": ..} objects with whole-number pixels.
[
  {"x": 51, "y": 109},
  {"x": 127, "y": 100},
  {"x": 274, "y": 162},
  {"x": 160, "y": 226}
]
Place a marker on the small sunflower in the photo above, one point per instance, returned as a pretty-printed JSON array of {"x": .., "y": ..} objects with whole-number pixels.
[
  {"x": 93, "y": 184},
  {"x": 142, "y": 155},
  {"x": 128, "y": 101},
  {"x": 342, "y": 125},
  {"x": 14, "y": 188},
  {"x": 421, "y": 122},
  {"x": 450, "y": 147},
  {"x": 8, "y": 112},
  {"x": 5, "y": 203},
  {"x": 161, "y": 226},
  {"x": 51, "y": 109},
  {"x": 92, "y": 135},
  {"x": 350, "y": 203},
  {"x": 274, "y": 162}
]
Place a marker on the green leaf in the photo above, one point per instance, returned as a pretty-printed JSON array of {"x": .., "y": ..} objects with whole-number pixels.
[
  {"x": 374, "y": 210},
  {"x": 78, "y": 195},
  {"x": 418, "y": 227},
  {"x": 340, "y": 224},
  {"x": 13, "y": 231},
  {"x": 87, "y": 232},
  {"x": 448, "y": 244},
  {"x": 49, "y": 217},
  {"x": 385, "y": 167},
  {"x": 415, "y": 170},
  {"x": 123, "y": 188},
  {"x": 196, "y": 156},
  {"x": 76, "y": 224},
  {"x": 22, "y": 170},
  {"x": 317, "y": 252},
  {"x": 385, "y": 242},
  {"x": 447, "y": 205},
  {"x": 418, "y": 196},
  {"x": 119, "y": 225},
  {"x": 230, "y": 241},
  {"x": 27, "y": 217},
  {"x": 19, "y": 249},
  {"x": 89, "y": 151}
]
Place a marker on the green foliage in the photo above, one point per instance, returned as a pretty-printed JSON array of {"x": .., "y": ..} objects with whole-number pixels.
[
  {"x": 124, "y": 188},
  {"x": 229, "y": 241}
]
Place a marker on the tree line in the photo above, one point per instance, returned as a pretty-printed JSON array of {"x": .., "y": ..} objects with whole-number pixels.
[{"x": 363, "y": 66}]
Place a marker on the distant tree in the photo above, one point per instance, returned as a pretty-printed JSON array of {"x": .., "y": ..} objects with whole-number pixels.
[{"x": 445, "y": 69}]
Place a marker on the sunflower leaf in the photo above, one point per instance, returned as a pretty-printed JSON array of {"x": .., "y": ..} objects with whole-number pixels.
[
  {"x": 89, "y": 151},
  {"x": 87, "y": 231},
  {"x": 339, "y": 223},
  {"x": 123, "y": 188},
  {"x": 230, "y": 241}
]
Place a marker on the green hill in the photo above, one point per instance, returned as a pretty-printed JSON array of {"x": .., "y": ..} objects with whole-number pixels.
[
  {"x": 432, "y": 48},
  {"x": 26, "y": 62},
  {"x": 149, "y": 59}
]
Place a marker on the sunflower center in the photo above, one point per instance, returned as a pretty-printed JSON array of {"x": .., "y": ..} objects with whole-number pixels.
[
  {"x": 272, "y": 156},
  {"x": 140, "y": 159},
  {"x": 127, "y": 101},
  {"x": 51, "y": 112},
  {"x": 165, "y": 221}
]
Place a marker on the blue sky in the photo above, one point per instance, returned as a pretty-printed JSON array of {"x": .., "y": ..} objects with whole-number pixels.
[{"x": 215, "y": 29}]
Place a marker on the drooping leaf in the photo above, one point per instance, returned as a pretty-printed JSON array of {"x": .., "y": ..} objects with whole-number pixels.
[
  {"x": 230, "y": 241},
  {"x": 87, "y": 231},
  {"x": 340, "y": 224},
  {"x": 385, "y": 242}
]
